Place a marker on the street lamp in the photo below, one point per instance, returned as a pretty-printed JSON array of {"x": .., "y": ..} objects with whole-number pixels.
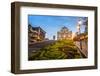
[{"x": 79, "y": 22}]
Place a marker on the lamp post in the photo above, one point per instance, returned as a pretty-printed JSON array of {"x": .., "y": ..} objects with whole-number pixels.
[
  {"x": 78, "y": 26},
  {"x": 79, "y": 31}
]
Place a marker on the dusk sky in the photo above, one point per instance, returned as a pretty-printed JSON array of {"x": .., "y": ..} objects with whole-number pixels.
[{"x": 52, "y": 24}]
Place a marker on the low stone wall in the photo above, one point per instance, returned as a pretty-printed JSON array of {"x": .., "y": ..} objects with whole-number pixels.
[{"x": 83, "y": 46}]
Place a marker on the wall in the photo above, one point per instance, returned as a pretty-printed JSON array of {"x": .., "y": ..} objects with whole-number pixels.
[{"x": 5, "y": 42}]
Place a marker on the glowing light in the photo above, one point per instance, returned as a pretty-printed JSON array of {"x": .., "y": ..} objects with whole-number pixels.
[
  {"x": 79, "y": 22},
  {"x": 73, "y": 35}
]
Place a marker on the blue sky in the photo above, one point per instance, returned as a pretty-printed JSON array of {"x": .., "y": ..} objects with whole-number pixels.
[{"x": 52, "y": 24}]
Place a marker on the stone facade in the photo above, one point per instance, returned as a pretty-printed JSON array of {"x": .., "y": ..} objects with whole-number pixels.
[{"x": 64, "y": 33}]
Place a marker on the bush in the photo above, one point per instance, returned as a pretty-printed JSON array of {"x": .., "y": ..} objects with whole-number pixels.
[
  {"x": 62, "y": 49},
  {"x": 34, "y": 55}
]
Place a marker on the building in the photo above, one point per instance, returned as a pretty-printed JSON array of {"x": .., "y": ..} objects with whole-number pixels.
[
  {"x": 64, "y": 33},
  {"x": 35, "y": 34},
  {"x": 86, "y": 26},
  {"x": 80, "y": 23},
  {"x": 54, "y": 37},
  {"x": 82, "y": 36}
]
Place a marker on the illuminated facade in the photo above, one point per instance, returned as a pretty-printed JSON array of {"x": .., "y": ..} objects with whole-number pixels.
[
  {"x": 35, "y": 34},
  {"x": 64, "y": 33}
]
